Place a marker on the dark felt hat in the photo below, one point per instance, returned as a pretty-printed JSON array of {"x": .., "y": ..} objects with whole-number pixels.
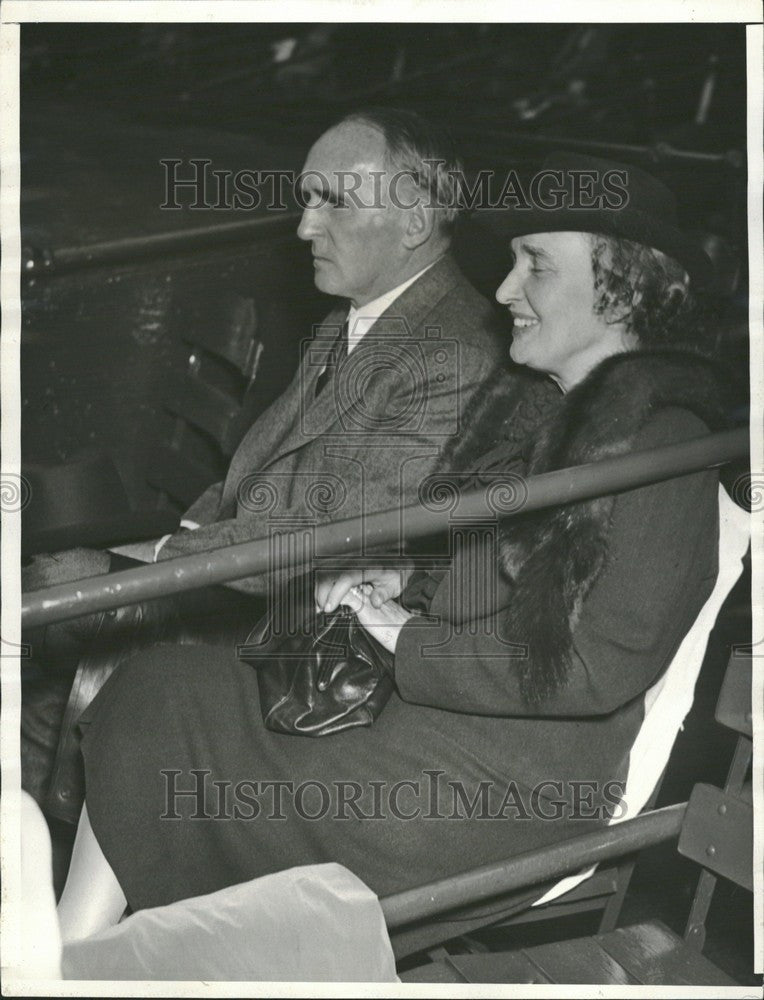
[
  {"x": 83, "y": 502},
  {"x": 589, "y": 194}
]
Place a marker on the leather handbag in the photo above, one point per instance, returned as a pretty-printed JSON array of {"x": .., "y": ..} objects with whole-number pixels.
[{"x": 325, "y": 676}]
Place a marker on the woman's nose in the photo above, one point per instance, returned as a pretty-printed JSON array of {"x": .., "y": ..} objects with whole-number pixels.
[{"x": 509, "y": 290}]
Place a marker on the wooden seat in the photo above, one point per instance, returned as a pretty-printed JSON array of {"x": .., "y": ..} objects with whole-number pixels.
[
  {"x": 212, "y": 406},
  {"x": 211, "y": 401},
  {"x": 716, "y": 833},
  {"x": 646, "y": 954}
]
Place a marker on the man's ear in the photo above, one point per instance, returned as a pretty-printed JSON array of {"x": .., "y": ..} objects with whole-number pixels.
[{"x": 418, "y": 226}]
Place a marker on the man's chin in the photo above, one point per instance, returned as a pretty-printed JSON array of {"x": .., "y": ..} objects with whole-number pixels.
[{"x": 324, "y": 284}]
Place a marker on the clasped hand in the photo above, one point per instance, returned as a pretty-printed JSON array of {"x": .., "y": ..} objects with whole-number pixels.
[{"x": 371, "y": 594}]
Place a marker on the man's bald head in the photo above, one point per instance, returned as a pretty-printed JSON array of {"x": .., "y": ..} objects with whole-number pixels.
[
  {"x": 423, "y": 151},
  {"x": 370, "y": 213}
]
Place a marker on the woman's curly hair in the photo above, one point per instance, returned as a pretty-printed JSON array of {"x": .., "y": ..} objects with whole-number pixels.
[{"x": 646, "y": 290}]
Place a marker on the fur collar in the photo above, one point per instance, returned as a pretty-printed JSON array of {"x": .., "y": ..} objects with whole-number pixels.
[
  {"x": 553, "y": 557},
  {"x": 505, "y": 412}
]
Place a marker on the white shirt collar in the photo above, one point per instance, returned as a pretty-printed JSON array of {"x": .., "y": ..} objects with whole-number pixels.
[{"x": 361, "y": 320}]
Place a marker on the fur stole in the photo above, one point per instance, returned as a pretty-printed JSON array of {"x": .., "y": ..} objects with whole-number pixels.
[
  {"x": 506, "y": 412},
  {"x": 553, "y": 557}
]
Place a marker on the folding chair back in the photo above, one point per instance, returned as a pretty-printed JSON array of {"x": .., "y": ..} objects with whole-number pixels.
[
  {"x": 669, "y": 700},
  {"x": 209, "y": 399}
]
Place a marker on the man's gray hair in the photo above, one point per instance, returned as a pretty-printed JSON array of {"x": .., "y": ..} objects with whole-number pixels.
[{"x": 424, "y": 150}]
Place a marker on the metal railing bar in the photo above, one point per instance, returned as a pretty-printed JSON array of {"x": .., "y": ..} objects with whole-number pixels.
[
  {"x": 533, "y": 867},
  {"x": 353, "y": 536},
  {"x": 658, "y": 153},
  {"x": 42, "y": 260}
]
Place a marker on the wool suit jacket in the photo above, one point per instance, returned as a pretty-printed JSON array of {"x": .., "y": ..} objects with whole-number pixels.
[{"x": 367, "y": 439}]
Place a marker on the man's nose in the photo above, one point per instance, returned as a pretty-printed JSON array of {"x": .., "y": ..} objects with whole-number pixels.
[
  {"x": 309, "y": 224},
  {"x": 510, "y": 289}
]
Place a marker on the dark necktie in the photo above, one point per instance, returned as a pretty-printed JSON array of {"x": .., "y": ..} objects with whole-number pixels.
[{"x": 338, "y": 353}]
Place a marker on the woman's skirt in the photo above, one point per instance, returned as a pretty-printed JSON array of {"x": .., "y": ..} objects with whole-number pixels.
[{"x": 187, "y": 792}]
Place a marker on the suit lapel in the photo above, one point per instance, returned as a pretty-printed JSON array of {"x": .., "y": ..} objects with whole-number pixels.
[
  {"x": 316, "y": 354},
  {"x": 410, "y": 309},
  {"x": 297, "y": 416},
  {"x": 274, "y": 432},
  {"x": 304, "y": 416}
]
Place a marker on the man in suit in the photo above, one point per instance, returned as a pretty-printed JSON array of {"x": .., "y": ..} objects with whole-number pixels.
[
  {"x": 384, "y": 379},
  {"x": 379, "y": 390},
  {"x": 382, "y": 384}
]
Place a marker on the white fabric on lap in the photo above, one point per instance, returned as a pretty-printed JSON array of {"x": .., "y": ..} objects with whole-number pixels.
[{"x": 317, "y": 923}]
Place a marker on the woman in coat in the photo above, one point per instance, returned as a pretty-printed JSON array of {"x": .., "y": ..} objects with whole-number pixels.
[{"x": 515, "y": 708}]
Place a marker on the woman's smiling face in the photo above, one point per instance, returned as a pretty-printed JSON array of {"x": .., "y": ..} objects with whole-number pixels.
[{"x": 551, "y": 297}]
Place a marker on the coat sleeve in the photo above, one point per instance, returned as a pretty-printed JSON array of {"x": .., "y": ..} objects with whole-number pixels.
[
  {"x": 204, "y": 509},
  {"x": 379, "y": 466},
  {"x": 662, "y": 567}
]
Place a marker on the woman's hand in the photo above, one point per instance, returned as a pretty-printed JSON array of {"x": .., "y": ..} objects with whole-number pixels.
[
  {"x": 380, "y": 585},
  {"x": 384, "y": 623}
]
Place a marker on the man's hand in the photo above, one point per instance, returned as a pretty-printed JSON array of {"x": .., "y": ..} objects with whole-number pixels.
[
  {"x": 381, "y": 585},
  {"x": 62, "y": 641}
]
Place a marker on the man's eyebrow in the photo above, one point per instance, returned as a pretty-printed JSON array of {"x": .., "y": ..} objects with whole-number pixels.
[{"x": 319, "y": 185}]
